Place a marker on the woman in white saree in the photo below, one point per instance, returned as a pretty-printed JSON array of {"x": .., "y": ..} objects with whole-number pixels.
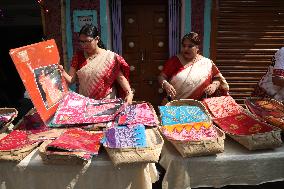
[{"x": 189, "y": 75}]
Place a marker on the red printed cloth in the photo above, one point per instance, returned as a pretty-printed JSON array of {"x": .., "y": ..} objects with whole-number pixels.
[
  {"x": 242, "y": 124},
  {"x": 15, "y": 140},
  {"x": 138, "y": 114},
  {"x": 190, "y": 131},
  {"x": 77, "y": 140},
  {"x": 222, "y": 106},
  {"x": 77, "y": 109}
]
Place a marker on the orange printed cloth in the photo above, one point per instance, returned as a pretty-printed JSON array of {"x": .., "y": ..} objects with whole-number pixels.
[{"x": 190, "y": 131}]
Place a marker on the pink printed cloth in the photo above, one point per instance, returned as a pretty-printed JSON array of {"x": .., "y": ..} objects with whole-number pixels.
[
  {"x": 16, "y": 140},
  {"x": 77, "y": 109},
  {"x": 190, "y": 131},
  {"x": 242, "y": 124},
  {"x": 222, "y": 106},
  {"x": 77, "y": 140},
  {"x": 138, "y": 114}
]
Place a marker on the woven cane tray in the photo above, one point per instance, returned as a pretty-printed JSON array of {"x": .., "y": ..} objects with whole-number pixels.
[
  {"x": 149, "y": 154},
  {"x": 268, "y": 110},
  {"x": 202, "y": 147},
  {"x": 8, "y": 111}
]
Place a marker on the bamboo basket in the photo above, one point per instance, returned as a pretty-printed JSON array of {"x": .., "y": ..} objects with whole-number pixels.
[
  {"x": 149, "y": 154},
  {"x": 202, "y": 147},
  {"x": 278, "y": 122},
  {"x": 58, "y": 157},
  {"x": 6, "y": 111},
  {"x": 258, "y": 141},
  {"x": 17, "y": 154}
]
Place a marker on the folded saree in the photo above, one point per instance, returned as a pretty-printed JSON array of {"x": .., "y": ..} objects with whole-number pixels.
[
  {"x": 77, "y": 109},
  {"x": 172, "y": 115},
  {"x": 190, "y": 131},
  {"x": 242, "y": 124},
  {"x": 140, "y": 113},
  {"x": 16, "y": 145},
  {"x": 222, "y": 106},
  {"x": 76, "y": 140},
  {"x": 125, "y": 137}
]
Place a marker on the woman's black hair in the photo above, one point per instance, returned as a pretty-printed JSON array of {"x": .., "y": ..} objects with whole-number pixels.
[
  {"x": 91, "y": 31},
  {"x": 193, "y": 37}
]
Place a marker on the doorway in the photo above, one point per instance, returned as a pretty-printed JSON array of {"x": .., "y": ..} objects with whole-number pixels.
[{"x": 145, "y": 46}]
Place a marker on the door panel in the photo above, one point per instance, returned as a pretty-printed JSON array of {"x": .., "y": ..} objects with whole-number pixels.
[{"x": 145, "y": 45}]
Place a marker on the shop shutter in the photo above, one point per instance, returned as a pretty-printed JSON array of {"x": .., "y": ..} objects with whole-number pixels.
[{"x": 247, "y": 34}]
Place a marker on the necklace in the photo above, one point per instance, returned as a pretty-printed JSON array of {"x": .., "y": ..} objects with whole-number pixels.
[
  {"x": 91, "y": 57},
  {"x": 191, "y": 62}
]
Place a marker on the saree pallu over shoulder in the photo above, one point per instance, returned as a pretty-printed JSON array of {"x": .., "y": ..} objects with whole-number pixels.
[
  {"x": 192, "y": 81},
  {"x": 98, "y": 75}
]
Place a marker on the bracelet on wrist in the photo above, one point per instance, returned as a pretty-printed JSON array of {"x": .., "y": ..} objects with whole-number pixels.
[
  {"x": 129, "y": 92},
  {"x": 163, "y": 83}
]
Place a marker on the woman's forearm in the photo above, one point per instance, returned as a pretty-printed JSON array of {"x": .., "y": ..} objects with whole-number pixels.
[{"x": 123, "y": 82}]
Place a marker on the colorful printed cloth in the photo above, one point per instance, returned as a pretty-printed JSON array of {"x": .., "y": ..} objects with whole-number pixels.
[
  {"x": 138, "y": 114},
  {"x": 77, "y": 140},
  {"x": 77, "y": 109},
  {"x": 15, "y": 140},
  {"x": 222, "y": 106},
  {"x": 190, "y": 131},
  {"x": 172, "y": 115},
  {"x": 242, "y": 124},
  {"x": 125, "y": 137}
]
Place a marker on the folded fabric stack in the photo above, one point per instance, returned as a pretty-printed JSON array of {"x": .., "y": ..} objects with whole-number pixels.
[
  {"x": 190, "y": 131},
  {"x": 189, "y": 128},
  {"x": 73, "y": 142},
  {"x": 16, "y": 146},
  {"x": 128, "y": 141},
  {"x": 268, "y": 110},
  {"x": 36, "y": 129},
  {"x": 241, "y": 125},
  {"x": 138, "y": 113},
  {"x": 125, "y": 137}
]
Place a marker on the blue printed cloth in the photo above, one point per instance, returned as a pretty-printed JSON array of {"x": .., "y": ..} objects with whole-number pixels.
[
  {"x": 172, "y": 115},
  {"x": 125, "y": 137}
]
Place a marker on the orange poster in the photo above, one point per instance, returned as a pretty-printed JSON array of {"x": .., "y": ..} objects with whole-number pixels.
[{"x": 37, "y": 65}]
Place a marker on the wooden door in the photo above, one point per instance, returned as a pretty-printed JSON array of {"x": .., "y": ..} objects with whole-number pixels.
[{"x": 145, "y": 45}]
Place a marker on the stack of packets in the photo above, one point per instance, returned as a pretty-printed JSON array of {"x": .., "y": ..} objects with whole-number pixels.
[
  {"x": 268, "y": 110},
  {"x": 186, "y": 123},
  {"x": 73, "y": 143},
  {"x": 240, "y": 125}
]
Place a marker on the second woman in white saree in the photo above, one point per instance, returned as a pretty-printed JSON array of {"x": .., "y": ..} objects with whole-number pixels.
[{"x": 189, "y": 75}]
